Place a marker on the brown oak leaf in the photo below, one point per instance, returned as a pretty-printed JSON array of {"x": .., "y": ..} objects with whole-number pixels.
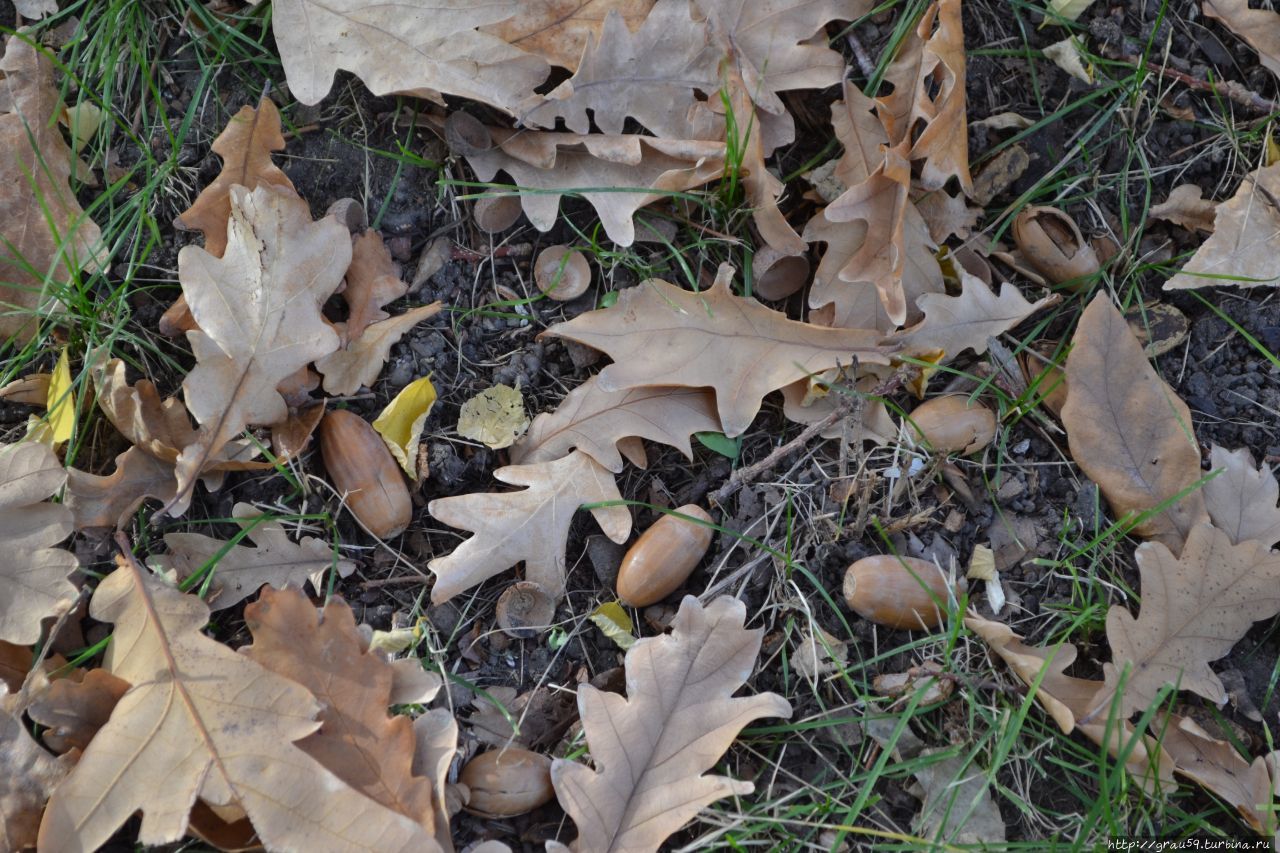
[
  {"x": 1241, "y": 500},
  {"x": 1245, "y": 242},
  {"x": 558, "y": 30}
]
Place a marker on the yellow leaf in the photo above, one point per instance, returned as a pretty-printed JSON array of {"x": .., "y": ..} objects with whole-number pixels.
[
  {"x": 495, "y": 417},
  {"x": 83, "y": 121},
  {"x": 1067, "y": 9},
  {"x": 59, "y": 422},
  {"x": 400, "y": 423},
  {"x": 1271, "y": 153},
  {"x": 614, "y": 622},
  {"x": 982, "y": 566}
]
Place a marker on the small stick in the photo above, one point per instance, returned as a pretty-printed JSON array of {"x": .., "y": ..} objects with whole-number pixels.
[
  {"x": 1229, "y": 88},
  {"x": 743, "y": 476}
]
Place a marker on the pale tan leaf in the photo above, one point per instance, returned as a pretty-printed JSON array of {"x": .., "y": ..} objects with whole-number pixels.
[
  {"x": 33, "y": 574},
  {"x": 1127, "y": 429},
  {"x": 241, "y": 571},
  {"x": 360, "y": 362},
  {"x": 103, "y": 502},
  {"x": 1194, "y": 609},
  {"x": 957, "y": 806},
  {"x": 1245, "y": 242},
  {"x": 398, "y": 48},
  {"x": 968, "y": 320},
  {"x": 819, "y": 653},
  {"x": 596, "y": 422},
  {"x": 863, "y": 136},
  {"x": 651, "y": 748},
  {"x": 558, "y": 30},
  {"x": 36, "y": 9},
  {"x": 358, "y": 741},
  {"x": 1068, "y": 55},
  {"x": 203, "y": 721},
  {"x": 1216, "y": 765},
  {"x": 1260, "y": 28},
  {"x": 373, "y": 280},
  {"x": 1068, "y": 9},
  {"x": 530, "y": 525},
  {"x": 258, "y": 309},
  {"x": 618, "y": 175},
  {"x": 947, "y": 215},
  {"x": 28, "y": 776},
  {"x": 46, "y": 236},
  {"x": 1186, "y": 206},
  {"x": 72, "y": 710},
  {"x": 1241, "y": 500},
  {"x": 659, "y": 334},
  {"x": 872, "y": 424},
  {"x": 435, "y": 735}
]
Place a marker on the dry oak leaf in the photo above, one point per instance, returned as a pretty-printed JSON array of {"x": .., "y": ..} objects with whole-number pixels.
[
  {"x": 659, "y": 334},
  {"x": 358, "y": 740},
  {"x": 1215, "y": 764},
  {"x": 1067, "y": 699},
  {"x": 530, "y": 525},
  {"x": 15, "y": 662},
  {"x": 203, "y": 721},
  {"x": 435, "y": 734},
  {"x": 361, "y": 361},
  {"x": 1194, "y": 609},
  {"x": 1260, "y": 28},
  {"x": 618, "y": 175},
  {"x": 421, "y": 49},
  {"x": 373, "y": 281},
  {"x": 1185, "y": 206},
  {"x": 28, "y": 776},
  {"x": 258, "y": 309},
  {"x": 1245, "y": 242},
  {"x": 102, "y": 502},
  {"x": 1128, "y": 430},
  {"x": 46, "y": 239},
  {"x": 599, "y": 422},
  {"x": 968, "y": 320},
  {"x": 240, "y": 571},
  {"x": 73, "y": 709},
  {"x": 652, "y": 747},
  {"x": 33, "y": 575},
  {"x": 558, "y": 30},
  {"x": 1242, "y": 499}
]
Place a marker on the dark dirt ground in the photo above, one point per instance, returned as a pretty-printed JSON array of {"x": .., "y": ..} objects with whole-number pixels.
[{"x": 1233, "y": 392}]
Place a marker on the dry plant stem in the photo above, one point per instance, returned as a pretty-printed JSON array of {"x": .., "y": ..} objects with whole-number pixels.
[{"x": 1227, "y": 88}]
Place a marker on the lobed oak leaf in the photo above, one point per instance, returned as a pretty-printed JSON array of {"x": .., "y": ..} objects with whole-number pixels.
[
  {"x": 1260, "y": 28},
  {"x": 46, "y": 237},
  {"x": 73, "y": 709},
  {"x": 598, "y": 422},
  {"x": 1242, "y": 249},
  {"x": 435, "y": 734},
  {"x": 258, "y": 309},
  {"x": 239, "y": 571},
  {"x": 103, "y": 502},
  {"x": 358, "y": 740},
  {"x": 28, "y": 776},
  {"x": 968, "y": 320},
  {"x": 1194, "y": 609},
  {"x": 558, "y": 30},
  {"x": 1187, "y": 207},
  {"x": 33, "y": 574},
  {"x": 1128, "y": 430},
  {"x": 1241, "y": 501},
  {"x": 652, "y": 748},
  {"x": 1215, "y": 764},
  {"x": 373, "y": 281},
  {"x": 659, "y": 334},
  {"x": 530, "y": 525},
  {"x": 361, "y": 360},
  {"x": 202, "y": 721}
]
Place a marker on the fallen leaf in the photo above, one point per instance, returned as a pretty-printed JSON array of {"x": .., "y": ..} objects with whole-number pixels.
[
  {"x": 1195, "y": 608},
  {"x": 239, "y": 571},
  {"x": 258, "y": 309},
  {"x": 530, "y": 525},
  {"x": 558, "y": 30},
  {"x": 495, "y": 417},
  {"x": 1260, "y": 28},
  {"x": 73, "y": 710},
  {"x": 819, "y": 653},
  {"x": 957, "y": 807},
  {"x": 1242, "y": 499},
  {"x": 947, "y": 215},
  {"x": 15, "y": 662},
  {"x": 28, "y": 776},
  {"x": 31, "y": 390},
  {"x": 47, "y": 237},
  {"x": 435, "y": 736},
  {"x": 598, "y": 422},
  {"x": 967, "y": 321},
  {"x": 618, "y": 175},
  {"x": 59, "y": 422},
  {"x": 358, "y": 740},
  {"x": 361, "y": 360},
  {"x": 36, "y": 9},
  {"x": 1215, "y": 764},
  {"x": 612, "y": 620},
  {"x": 1067, "y": 55},
  {"x": 678, "y": 717},
  {"x": 1187, "y": 207},
  {"x": 373, "y": 281},
  {"x": 82, "y": 121},
  {"x": 659, "y": 334},
  {"x": 400, "y": 423},
  {"x": 204, "y": 721},
  {"x": 1128, "y": 430},
  {"x": 1242, "y": 249},
  {"x": 1068, "y": 10},
  {"x": 33, "y": 574},
  {"x": 103, "y": 502}
]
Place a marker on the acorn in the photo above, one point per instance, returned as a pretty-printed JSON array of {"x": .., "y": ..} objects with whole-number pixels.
[
  {"x": 507, "y": 782},
  {"x": 952, "y": 424},
  {"x": 562, "y": 273},
  {"x": 663, "y": 557},
  {"x": 363, "y": 470},
  {"x": 898, "y": 592},
  {"x": 1051, "y": 242}
]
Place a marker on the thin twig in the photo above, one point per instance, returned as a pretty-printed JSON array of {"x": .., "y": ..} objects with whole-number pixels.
[{"x": 1227, "y": 88}]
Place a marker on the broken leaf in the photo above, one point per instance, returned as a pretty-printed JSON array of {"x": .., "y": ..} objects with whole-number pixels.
[
  {"x": 373, "y": 281},
  {"x": 1216, "y": 765},
  {"x": 1128, "y": 430},
  {"x": 1242, "y": 249},
  {"x": 103, "y": 502},
  {"x": 1187, "y": 207},
  {"x": 495, "y": 417},
  {"x": 612, "y": 620},
  {"x": 400, "y": 423},
  {"x": 1260, "y": 28},
  {"x": 360, "y": 361},
  {"x": 678, "y": 717},
  {"x": 1242, "y": 499},
  {"x": 819, "y": 653},
  {"x": 1066, "y": 54},
  {"x": 953, "y": 324},
  {"x": 72, "y": 710},
  {"x": 1068, "y": 10},
  {"x": 530, "y": 525},
  {"x": 28, "y": 776},
  {"x": 957, "y": 805}
]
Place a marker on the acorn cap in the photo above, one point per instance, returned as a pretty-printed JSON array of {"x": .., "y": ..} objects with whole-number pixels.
[{"x": 562, "y": 273}]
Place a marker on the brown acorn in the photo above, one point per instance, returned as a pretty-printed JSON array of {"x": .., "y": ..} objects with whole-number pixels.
[
  {"x": 663, "y": 557},
  {"x": 507, "y": 782},
  {"x": 362, "y": 468},
  {"x": 897, "y": 592}
]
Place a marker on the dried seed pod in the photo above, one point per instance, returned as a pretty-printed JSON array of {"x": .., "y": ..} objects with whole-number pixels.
[
  {"x": 897, "y": 592},
  {"x": 507, "y": 782},
  {"x": 951, "y": 424},
  {"x": 494, "y": 213},
  {"x": 465, "y": 134},
  {"x": 562, "y": 273},
  {"x": 777, "y": 276},
  {"x": 663, "y": 557},
  {"x": 524, "y": 609},
  {"x": 362, "y": 468},
  {"x": 1051, "y": 242}
]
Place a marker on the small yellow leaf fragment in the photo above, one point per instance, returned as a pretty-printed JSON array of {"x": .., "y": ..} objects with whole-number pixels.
[
  {"x": 59, "y": 422},
  {"x": 982, "y": 565},
  {"x": 400, "y": 423},
  {"x": 612, "y": 619},
  {"x": 1271, "y": 152},
  {"x": 494, "y": 417},
  {"x": 83, "y": 121},
  {"x": 1067, "y": 9},
  {"x": 1066, "y": 55},
  {"x": 395, "y": 641}
]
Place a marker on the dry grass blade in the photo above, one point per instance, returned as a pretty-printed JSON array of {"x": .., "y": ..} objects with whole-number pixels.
[{"x": 652, "y": 747}]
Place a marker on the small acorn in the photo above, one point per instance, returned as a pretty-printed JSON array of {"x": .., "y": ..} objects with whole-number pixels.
[
  {"x": 952, "y": 424},
  {"x": 663, "y": 557},
  {"x": 507, "y": 782},
  {"x": 362, "y": 468},
  {"x": 897, "y": 592},
  {"x": 1051, "y": 242}
]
